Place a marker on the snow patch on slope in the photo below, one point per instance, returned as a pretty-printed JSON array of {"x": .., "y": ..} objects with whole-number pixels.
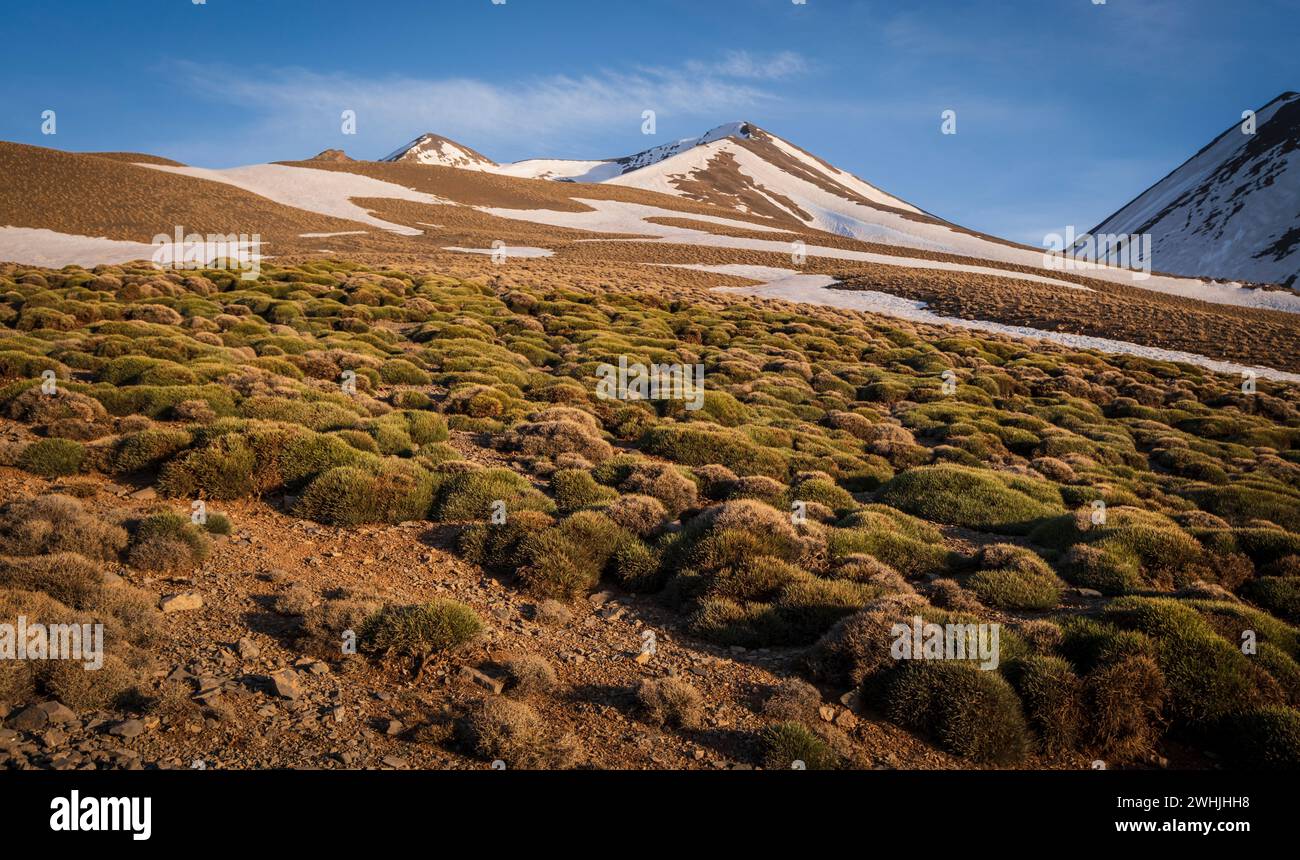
[
  {"x": 41, "y": 247},
  {"x": 325, "y": 192},
  {"x": 560, "y": 169},
  {"x": 613, "y": 216},
  {"x": 509, "y": 251}
]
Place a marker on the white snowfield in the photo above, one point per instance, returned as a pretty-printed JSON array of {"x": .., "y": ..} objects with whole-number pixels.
[
  {"x": 794, "y": 286},
  {"x": 507, "y": 250},
  {"x": 41, "y": 247},
  {"x": 325, "y": 192},
  {"x": 614, "y": 216},
  {"x": 1214, "y": 217},
  {"x": 561, "y": 169}
]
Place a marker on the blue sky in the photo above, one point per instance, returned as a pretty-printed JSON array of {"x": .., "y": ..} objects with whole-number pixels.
[{"x": 1066, "y": 109}]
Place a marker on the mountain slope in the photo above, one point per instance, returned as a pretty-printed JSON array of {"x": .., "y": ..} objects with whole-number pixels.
[
  {"x": 134, "y": 197},
  {"x": 1233, "y": 209},
  {"x": 743, "y": 168}
]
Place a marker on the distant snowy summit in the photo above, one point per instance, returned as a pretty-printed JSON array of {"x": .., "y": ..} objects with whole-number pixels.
[
  {"x": 1232, "y": 211},
  {"x": 439, "y": 151}
]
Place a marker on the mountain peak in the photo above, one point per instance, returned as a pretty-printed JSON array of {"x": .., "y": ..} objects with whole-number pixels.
[
  {"x": 741, "y": 129},
  {"x": 434, "y": 149},
  {"x": 331, "y": 155}
]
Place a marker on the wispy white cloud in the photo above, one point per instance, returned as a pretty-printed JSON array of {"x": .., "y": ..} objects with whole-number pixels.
[
  {"x": 743, "y": 64},
  {"x": 297, "y": 106}
]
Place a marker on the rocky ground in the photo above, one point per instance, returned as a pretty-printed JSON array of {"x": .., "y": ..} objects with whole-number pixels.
[{"x": 238, "y": 693}]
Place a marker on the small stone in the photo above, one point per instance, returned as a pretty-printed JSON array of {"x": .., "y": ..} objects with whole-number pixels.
[
  {"x": 393, "y": 728},
  {"x": 485, "y": 681},
  {"x": 395, "y": 763},
  {"x": 31, "y": 719},
  {"x": 248, "y": 649},
  {"x": 145, "y": 494},
  {"x": 127, "y": 729},
  {"x": 58, "y": 712},
  {"x": 827, "y": 713},
  {"x": 286, "y": 683},
  {"x": 210, "y": 685},
  {"x": 179, "y": 674},
  {"x": 552, "y": 612},
  {"x": 183, "y": 602},
  {"x": 644, "y": 657},
  {"x": 846, "y": 720},
  {"x": 600, "y": 598}
]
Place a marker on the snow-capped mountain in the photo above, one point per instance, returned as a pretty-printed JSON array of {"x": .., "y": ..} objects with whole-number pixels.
[
  {"x": 742, "y": 167},
  {"x": 437, "y": 150},
  {"x": 737, "y": 165},
  {"x": 1232, "y": 210}
]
